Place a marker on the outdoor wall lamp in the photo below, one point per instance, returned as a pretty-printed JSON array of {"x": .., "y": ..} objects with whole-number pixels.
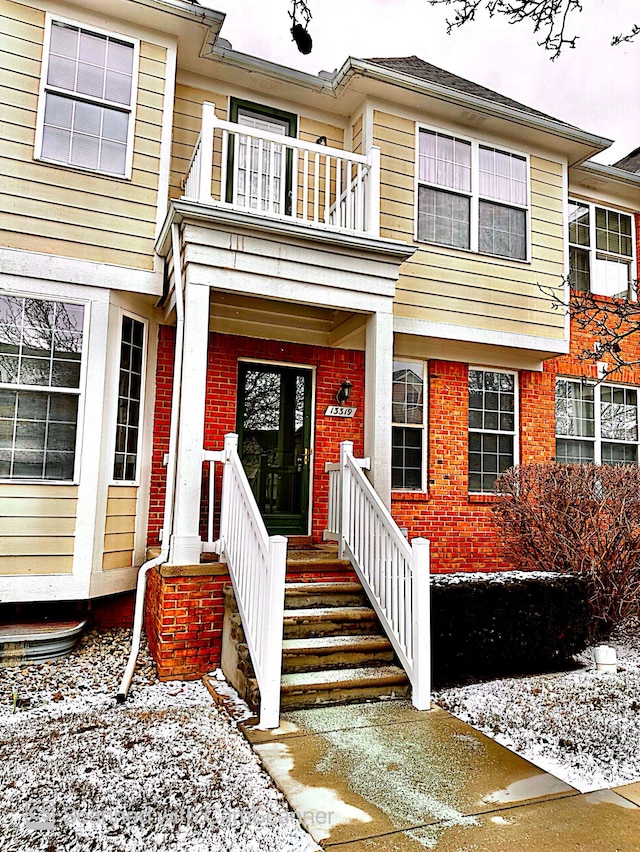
[{"x": 344, "y": 392}]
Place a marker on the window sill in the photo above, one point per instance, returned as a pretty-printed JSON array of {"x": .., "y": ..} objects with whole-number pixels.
[
  {"x": 83, "y": 169},
  {"x": 399, "y": 496},
  {"x": 482, "y": 498},
  {"x": 464, "y": 252}
]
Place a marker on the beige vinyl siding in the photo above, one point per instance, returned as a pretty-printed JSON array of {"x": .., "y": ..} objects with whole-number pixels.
[
  {"x": 187, "y": 120},
  {"x": 451, "y": 286},
  {"x": 120, "y": 527},
  {"x": 37, "y": 528},
  {"x": 65, "y": 211},
  {"x": 310, "y": 130},
  {"x": 357, "y": 136}
]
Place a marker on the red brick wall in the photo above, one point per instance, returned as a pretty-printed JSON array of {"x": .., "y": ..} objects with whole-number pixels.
[
  {"x": 333, "y": 366},
  {"x": 183, "y": 622},
  {"x": 113, "y": 611},
  {"x": 161, "y": 422}
]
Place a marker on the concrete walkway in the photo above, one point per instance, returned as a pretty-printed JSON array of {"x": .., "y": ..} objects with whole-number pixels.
[{"x": 384, "y": 776}]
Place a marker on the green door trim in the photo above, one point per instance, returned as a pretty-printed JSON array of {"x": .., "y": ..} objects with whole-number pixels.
[
  {"x": 287, "y": 118},
  {"x": 279, "y": 467}
]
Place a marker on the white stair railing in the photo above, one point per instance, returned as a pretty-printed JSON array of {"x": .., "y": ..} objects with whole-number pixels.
[
  {"x": 268, "y": 174},
  {"x": 257, "y": 567},
  {"x": 394, "y": 573}
]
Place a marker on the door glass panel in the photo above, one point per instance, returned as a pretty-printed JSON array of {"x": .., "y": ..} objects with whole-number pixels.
[
  {"x": 274, "y": 427},
  {"x": 260, "y": 164}
]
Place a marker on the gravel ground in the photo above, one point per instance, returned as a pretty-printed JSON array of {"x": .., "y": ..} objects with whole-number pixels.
[
  {"x": 166, "y": 771},
  {"x": 583, "y": 726}
]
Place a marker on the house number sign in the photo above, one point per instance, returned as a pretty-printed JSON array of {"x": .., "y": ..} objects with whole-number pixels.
[{"x": 340, "y": 411}]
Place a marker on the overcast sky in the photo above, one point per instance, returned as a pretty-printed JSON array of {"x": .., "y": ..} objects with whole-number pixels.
[{"x": 595, "y": 86}]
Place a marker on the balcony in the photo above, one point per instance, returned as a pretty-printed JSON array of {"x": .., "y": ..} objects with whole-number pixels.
[{"x": 281, "y": 178}]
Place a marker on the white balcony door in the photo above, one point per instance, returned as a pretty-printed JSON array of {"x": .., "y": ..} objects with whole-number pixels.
[{"x": 261, "y": 165}]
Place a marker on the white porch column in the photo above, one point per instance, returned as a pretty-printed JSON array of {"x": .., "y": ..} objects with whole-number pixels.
[
  {"x": 185, "y": 539},
  {"x": 377, "y": 401}
]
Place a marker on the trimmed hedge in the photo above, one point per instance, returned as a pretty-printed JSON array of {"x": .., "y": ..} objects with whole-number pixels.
[{"x": 507, "y": 622}]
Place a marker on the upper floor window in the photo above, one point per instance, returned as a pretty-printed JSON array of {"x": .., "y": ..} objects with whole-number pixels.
[
  {"x": 85, "y": 116},
  {"x": 130, "y": 385},
  {"x": 596, "y": 424},
  {"x": 408, "y": 410},
  {"x": 492, "y": 427},
  {"x": 40, "y": 360},
  {"x": 471, "y": 196},
  {"x": 601, "y": 250}
]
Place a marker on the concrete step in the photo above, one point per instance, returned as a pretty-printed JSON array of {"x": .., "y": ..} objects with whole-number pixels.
[
  {"x": 303, "y": 595},
  {"x": 335, "y": 652},
  {"x": 342, "y": 686},
  {"x": 329, "y": 621}
]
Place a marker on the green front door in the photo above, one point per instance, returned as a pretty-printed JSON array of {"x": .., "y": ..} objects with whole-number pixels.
[{"x": 274, "y": 428}]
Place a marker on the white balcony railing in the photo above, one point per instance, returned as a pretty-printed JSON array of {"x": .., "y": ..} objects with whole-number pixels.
[
  {"x": 394, "y": 573},
  {"x": 257, "y": 567},
  {"x": 279, "y": 177}
]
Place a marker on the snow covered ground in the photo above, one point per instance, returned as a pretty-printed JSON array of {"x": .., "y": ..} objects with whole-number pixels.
[
  {"x": 583, "y": 726},
  {"x": 166, "y": 771}
]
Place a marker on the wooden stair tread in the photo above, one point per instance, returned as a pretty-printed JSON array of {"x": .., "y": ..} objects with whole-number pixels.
[
  {"x": 323, "y": 588},
  {"x": 330, "y": 613},
  {"x": 343, "y": 679},
  {"x": 329, "y": 644}
]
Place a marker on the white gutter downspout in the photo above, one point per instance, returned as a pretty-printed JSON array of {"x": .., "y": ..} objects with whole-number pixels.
[{"x": 167, "y": 524}]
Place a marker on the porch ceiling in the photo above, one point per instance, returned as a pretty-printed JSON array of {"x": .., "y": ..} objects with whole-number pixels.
[{"x": 270, "y": 319}]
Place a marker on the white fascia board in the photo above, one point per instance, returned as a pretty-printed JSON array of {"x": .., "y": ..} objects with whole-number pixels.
[
  {"x": 265, "y": 68},
  {"x": 611, "y": 173},
  {"x": 113, "y": 581},
  {"x": 468, "y": 101},
  {"x": 235, "y": 220},
  {"x": 43, "y": 587},
  {"x": 29, "y": 264},
  {"x": 273, "y": 287},
  {"x": 467, "y": 334}
]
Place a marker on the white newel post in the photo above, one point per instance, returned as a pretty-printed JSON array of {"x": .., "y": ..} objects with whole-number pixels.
[
  {"x": 373, "y": 192},
  {"x": 377, "y": 401},
  {"x": 186, "y": 544},
  {"x": 421, "y": 626},
  {"x": 272, "y": 633},
  {"x": 346, "y": 450},
  {"x": 206, "y": 152}
]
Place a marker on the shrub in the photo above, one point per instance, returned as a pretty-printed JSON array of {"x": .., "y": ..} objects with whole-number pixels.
[
  {"x": 505, "y": 622},
  {"x": 577, "y": 519}
]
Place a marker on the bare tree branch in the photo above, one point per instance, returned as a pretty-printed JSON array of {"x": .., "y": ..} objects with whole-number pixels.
[
  {"x": 613, "y": 326},
  {"x": 550, "y": 18},
  {"x": 630, "y": 36}
]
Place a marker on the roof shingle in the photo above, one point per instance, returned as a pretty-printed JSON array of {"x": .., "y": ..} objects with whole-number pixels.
[{"x": 413, "y": 66}]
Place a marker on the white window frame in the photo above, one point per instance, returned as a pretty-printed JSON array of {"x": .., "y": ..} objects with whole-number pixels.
[
  {"x": 79, "y": 391},
  {"x": 45, "y": 88},
  {"x": 598, "y": 439},
  {"x": 516, "y": 419},
  {"x": 474, "y": 194},
  {"x": 143, "y": 388},
  {"x": 592, "y": 251},
  {"x": 421, "y": 427}
]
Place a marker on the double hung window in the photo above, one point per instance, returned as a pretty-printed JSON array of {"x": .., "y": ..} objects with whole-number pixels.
[
  {"x": 87, "y": 99},
  {"x": 596, "y": 423},
  {"x": 601, "y": 250},
  {"x": 492, "y": 427},
  {"x": 40, "y": 360},
  {"x": 471, "y": 196},
  {"x": 130, "y": 385},
  {"x": 408, "y": 416}
]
